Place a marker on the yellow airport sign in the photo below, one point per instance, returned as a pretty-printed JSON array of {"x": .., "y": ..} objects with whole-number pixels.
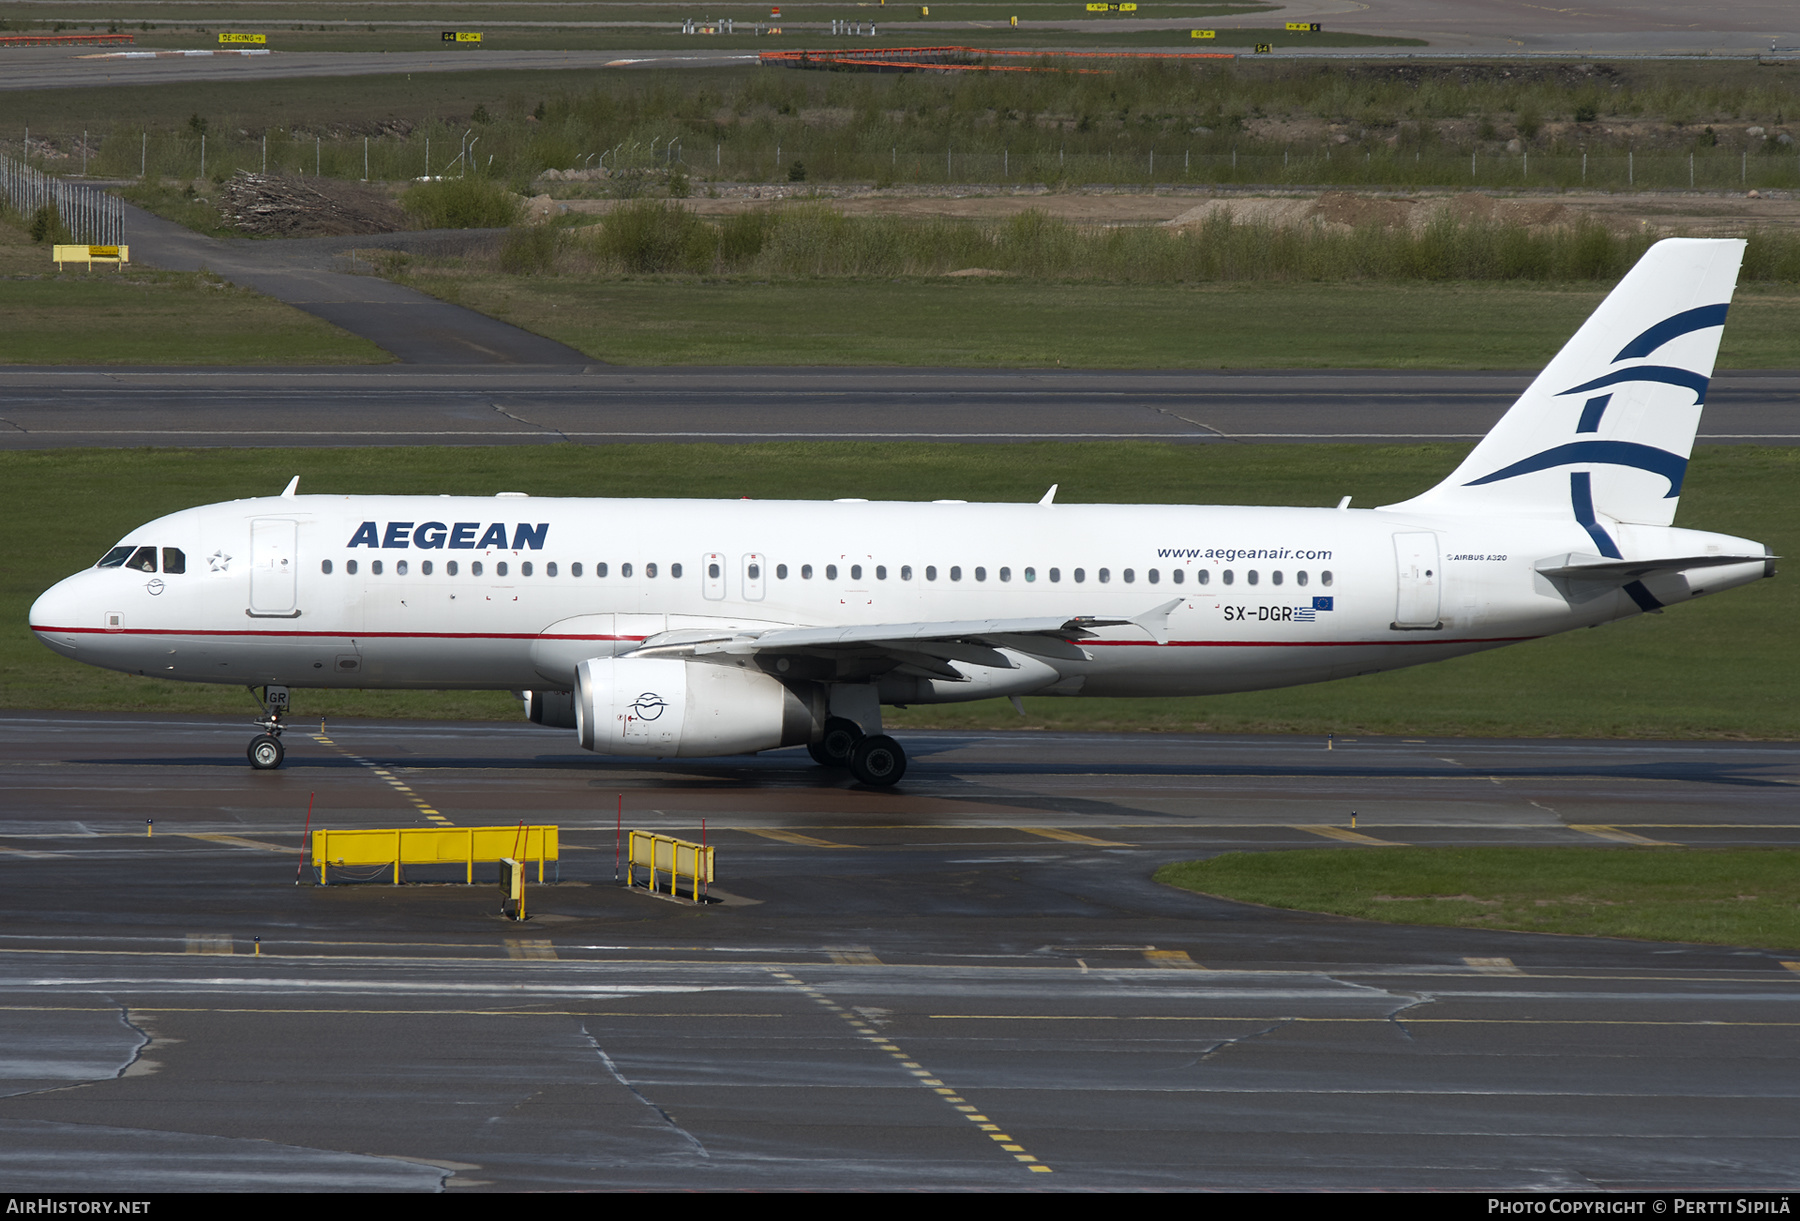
[
  {"x": 460, "y": 36},
  {"x": 255, "y": 40},
  {"x": 1202, "y": 34},
  {"x": 1303, "y": 27},
  {"x": 1263, "y": 48}
]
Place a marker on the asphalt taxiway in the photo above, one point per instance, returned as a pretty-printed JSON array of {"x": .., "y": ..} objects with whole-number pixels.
[
  {"x": 405, "y": 405},
  {"x": 968, "y": 982}
]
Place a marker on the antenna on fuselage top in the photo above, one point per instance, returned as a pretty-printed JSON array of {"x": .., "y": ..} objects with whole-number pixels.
[
  {"x": 1050, "y": 496},
  {"x": 293, "y": 486}
]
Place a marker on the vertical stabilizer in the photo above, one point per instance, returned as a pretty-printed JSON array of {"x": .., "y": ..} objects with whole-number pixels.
[{"x": 1606, "y": 429}]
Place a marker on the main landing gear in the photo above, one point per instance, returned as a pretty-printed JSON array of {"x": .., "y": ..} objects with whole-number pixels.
[
  {"x": 265, "y": 750},
  {"x": 874, "y": 759}
]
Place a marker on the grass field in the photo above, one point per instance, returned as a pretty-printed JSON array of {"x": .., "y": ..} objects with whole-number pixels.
[
  {"x": 1746, "y": 896},
  {"x": 1002, "y": 322},
  {"x": 1720, "y": 667},
  {"x": 142, "y": 317}
]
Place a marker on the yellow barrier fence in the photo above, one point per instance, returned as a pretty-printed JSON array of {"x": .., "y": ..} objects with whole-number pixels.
[
  {"x": 118, "y": 256},
  {"x": 432, "y": 846},
  {"x": 678, "y": 858}
]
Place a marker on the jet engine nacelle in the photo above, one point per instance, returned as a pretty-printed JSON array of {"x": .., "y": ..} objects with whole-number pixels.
[{"x": 670, "y": 708}]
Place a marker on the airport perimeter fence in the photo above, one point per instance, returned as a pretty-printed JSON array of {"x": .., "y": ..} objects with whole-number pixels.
[
  {"x": 642, "y": 158},
  {"x": 84, "y": 213}
]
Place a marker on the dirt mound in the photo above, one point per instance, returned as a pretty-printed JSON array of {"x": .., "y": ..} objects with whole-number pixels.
[
  {"x": 1474, "y": 207},
  {"x": 1359, "y": 211},
  {"x": 273, "y": 205}
]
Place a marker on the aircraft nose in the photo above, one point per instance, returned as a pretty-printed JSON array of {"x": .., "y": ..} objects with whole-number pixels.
[{"x": 57, "y": 608}]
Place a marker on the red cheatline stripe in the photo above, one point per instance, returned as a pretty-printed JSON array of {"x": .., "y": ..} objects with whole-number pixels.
[
  {"x": 1148, "y": 644},
  {"x": 175, "y": 631}
]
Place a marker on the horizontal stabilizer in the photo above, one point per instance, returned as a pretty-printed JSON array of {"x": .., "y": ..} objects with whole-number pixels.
[{"x": 1598, "y": 568}]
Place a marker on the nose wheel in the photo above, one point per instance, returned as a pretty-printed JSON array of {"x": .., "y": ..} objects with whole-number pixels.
[{"x": 266, "y": 752}]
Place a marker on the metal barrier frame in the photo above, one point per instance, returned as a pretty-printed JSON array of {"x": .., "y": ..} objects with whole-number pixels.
[
  {"x": 401, "y": 846},
  {"x": 666, "y": 853}
]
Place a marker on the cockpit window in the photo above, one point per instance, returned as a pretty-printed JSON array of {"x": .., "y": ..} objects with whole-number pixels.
[
  {"x": 173, "y": 560},
  {"x": 143, "y": 559},
  {"x": 115, "y": 557}
]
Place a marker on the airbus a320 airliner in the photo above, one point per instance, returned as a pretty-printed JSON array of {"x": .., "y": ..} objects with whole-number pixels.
[{"x": 682, "y": 628}]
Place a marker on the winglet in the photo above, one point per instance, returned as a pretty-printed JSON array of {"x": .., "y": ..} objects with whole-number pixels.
[
  {"x": 292, "y": 487},
  {"x": 1156, "y": 621},
  {"x": 1050, "y": 496}
]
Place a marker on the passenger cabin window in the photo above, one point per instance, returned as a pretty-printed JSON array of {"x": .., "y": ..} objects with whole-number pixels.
[
  {"x": 325, "y": 567},
  {"x": 1251, "y": 576},
  {"x": 575, "y": 569},
  {"x": 781, "y": 572},
  {"x": 981, "y": 574},
  {"x": 525, "y": 569},
  {"x": 931, "y": 572},
  {"x": 500, "y": 569},
  {"x": 625, "y": 571},
  {"x": 955, "y": 572},
  {"x": 1006, "y": 574},
  {"x": 674, "y": 571},
  {"x": 475, "y": 568},
  {"x": 115, "y": 558},
  {"x": 1203, "y": 577},
  {"x": 400, "y": 568},
  {"x": 806, "y": 572},
  {"x": 1080, "y": 575},
  {"x": 425, "y": 567},
  {"x": 600, "y": 571},
  {"x": 1055, "y": 576},
  {"x": 1325, "y": 578},
  {"x": 550, "y": 569},
  {"x": 1275, "y": 577},
  {"x": 1300, "y": 577},
  {"x": 1153, "y": 576},
  {"x": 350, "y": 567},
  {"x": 375, "y": 567},
  {"x": 1177, "y": 576},
  {"x": 174, "y": 561},
  {"x": 1105, "y": 575},
  {"x": 831, "y": 572}
]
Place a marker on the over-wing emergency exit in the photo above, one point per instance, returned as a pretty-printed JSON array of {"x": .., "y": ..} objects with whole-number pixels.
[{"x": 682, "y": 628}]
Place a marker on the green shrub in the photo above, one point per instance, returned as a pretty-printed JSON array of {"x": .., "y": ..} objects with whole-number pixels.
[
  {"x": 649, "y": 236},
  {"x": 461, "y": 203}
]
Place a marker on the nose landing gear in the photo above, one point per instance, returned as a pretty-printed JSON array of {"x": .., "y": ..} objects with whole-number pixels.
[{"x": 265, "y": 750}]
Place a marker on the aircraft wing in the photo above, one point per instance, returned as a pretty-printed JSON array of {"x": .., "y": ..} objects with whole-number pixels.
[{"x": 973, "y": 640}]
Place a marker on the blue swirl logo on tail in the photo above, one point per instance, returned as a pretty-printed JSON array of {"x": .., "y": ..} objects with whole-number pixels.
[{"x": 1670, "y": 466}]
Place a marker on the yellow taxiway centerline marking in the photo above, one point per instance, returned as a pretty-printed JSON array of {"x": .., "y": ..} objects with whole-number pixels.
[
  {"x": 1177, "y": 959},
  {"x": 923, "y": 1076},
  {"x": 791, "y": 837},
  {"x": 1347, "y": 836},
  {"x": 854, "y": 956},
  {"x": 1493, "y": 966},
  {"x": 1072, "y": 837},
  {"x": 1617, "y": 836},
  {"x": 237, "y": 841}
]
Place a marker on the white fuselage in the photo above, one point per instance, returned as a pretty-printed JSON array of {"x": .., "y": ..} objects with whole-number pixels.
[{"x": 508, "y": 592}]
